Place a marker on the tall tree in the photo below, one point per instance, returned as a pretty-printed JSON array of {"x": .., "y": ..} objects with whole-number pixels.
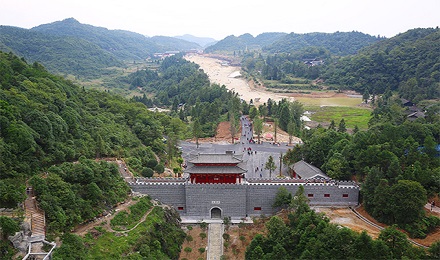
[
  {"x": 396, "y": 241},
  {"x": 284, "y": 116},
  {"x": 196, "y": 131},
  {"x": 263, "y": 110},
  {"x": 332, "y": 125},
  {"x": 275, "y": 128},
  {"x": 341, "y": 127},
  {"x": 291, "y": 131},
  {"x": 258, "y": 127},
  {"x": 253, "y": 112},
  {"x": 270, "y": 165},
  {"x": 366, "y": 96}
]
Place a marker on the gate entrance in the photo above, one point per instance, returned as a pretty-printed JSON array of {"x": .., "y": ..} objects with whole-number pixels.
[{"x": 216, "y": 213}]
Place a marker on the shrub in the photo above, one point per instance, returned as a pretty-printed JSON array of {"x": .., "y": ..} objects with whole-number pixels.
[
  {"x": 159, "y": 168},
  {"x": 188, "y": 250},
  {"x": 147, "y": 172},
  {"x": 151, "y": 163}
]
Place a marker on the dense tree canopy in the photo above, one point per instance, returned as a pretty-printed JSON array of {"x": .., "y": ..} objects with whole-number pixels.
[
  {"x": 46, "y": 120},
  {"x": 180, "y": 83},
  {"x": 407, "y": 63},
  {"x": 309, "y": 235}
]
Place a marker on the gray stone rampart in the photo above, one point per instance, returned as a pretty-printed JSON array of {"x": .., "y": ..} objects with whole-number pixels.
[
  {"x": 229, "y": 198},
  {"x": 166, "y": 192},
  {"x": 261, "y": 196},
  {"x": 240, "y": 200}
]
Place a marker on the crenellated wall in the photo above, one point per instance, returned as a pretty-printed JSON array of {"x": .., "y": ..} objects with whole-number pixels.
[
  {"x": 170, "y": 193},
  {"x": 261, "y": 196},
  {"x": 253, "y": 198}
]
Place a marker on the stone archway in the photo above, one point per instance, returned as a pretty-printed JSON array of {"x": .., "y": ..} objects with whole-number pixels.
[{"x": 216, "y": 213}]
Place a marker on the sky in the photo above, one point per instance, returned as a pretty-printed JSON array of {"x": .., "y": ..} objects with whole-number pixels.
[{"x": 221, "y": 18}]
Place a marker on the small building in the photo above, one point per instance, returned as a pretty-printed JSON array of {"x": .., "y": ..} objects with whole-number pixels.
[
  {"x": 305, "y": 171},
  {"x": 406, "y": 103},
  {"x": 415, "y": 115}
]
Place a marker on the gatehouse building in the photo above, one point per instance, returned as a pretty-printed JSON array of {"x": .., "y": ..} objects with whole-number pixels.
[{"x": 216, "y": 187}]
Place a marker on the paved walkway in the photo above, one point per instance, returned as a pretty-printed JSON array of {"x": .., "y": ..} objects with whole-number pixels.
[{"x": 215, "y": 241}]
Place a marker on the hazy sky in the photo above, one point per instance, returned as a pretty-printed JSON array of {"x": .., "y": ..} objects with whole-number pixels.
[{"x": 218, "y": 19}]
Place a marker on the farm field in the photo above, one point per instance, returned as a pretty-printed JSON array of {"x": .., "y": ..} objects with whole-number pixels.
[{"x": 352, "y": 115}]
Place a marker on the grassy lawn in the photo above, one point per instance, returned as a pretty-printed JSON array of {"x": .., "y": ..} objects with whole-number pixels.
[{"x": 352, "y": 115}]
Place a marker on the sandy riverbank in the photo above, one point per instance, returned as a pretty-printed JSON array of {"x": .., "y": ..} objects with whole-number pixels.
[{"x": 228, "y": 76}]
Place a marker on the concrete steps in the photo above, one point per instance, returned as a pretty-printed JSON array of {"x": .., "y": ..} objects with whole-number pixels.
[
  {"x": 36, "y": 217},
  {"x": 215, "y": 241}
]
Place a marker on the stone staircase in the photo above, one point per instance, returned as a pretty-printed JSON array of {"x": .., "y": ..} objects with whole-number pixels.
[
  {"x": 35, "y": 216},
  {"x": 215, "y": 241}
]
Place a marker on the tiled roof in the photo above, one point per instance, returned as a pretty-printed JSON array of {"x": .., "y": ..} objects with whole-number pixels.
[
  {"x": 215, "y": 170},
  {"x": 216, "y": 158},
  {"x": 307, "y": 171}
]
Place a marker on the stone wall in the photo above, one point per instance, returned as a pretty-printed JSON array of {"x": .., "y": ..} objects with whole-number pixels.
[
  {"x": 170, "y": 193},
  {"x": 229, "y": 198},
  {"x": 261, "y": 196},
  {"x": 241, "y": 200}
]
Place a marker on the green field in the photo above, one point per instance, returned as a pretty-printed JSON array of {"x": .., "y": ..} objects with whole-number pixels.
[
  {"x": 331, "y": 101},
  {"x": 352, "y": 115}
]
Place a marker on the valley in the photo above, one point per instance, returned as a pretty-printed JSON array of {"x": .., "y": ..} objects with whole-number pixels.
[
  {"x": 361, "y": 113},
  {"x": 229, "y": 75}
]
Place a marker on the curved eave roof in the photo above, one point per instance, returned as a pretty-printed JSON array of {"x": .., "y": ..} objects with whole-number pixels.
[{"x": 215, "y": 170}]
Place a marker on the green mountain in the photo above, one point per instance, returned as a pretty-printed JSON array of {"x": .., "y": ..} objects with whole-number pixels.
[
  {"x": 408, "y": 62},
  {"x": 47, "y": 120},
  {"x": 69, "y": 47},
  {"x": 202, "y": 41},
  {"x": 123, "y": 44},
  {"x": 60, "y": 54},
  {"x": 174, "y": 44},
  {"x": 243, "y": 42},
  {"x": 338, "y": 43}
]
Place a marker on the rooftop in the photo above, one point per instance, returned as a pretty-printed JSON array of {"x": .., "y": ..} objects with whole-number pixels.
[
  {"x": 215, "y": 170},
  {"x": 308, "y": 171},
  {"x": 217, "y": 158}
]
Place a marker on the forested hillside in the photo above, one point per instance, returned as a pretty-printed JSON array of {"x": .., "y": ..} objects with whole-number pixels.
[
  {"x": 123, "y": 44},
  {"x": 238, "y": 44},
  {"x": 185, "y": 88},
  {"x": 59, "y": 54},
  {"x": 306, "y": 234},
  {"x": 174, "y": 44},
  {"x": 408, "y": 63},
  {"x": 86, "y": 51},
  {"x": 397, "y": 161},
  {"x": 338, "y": 43},
  {"x": 46, "y": 120}
]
